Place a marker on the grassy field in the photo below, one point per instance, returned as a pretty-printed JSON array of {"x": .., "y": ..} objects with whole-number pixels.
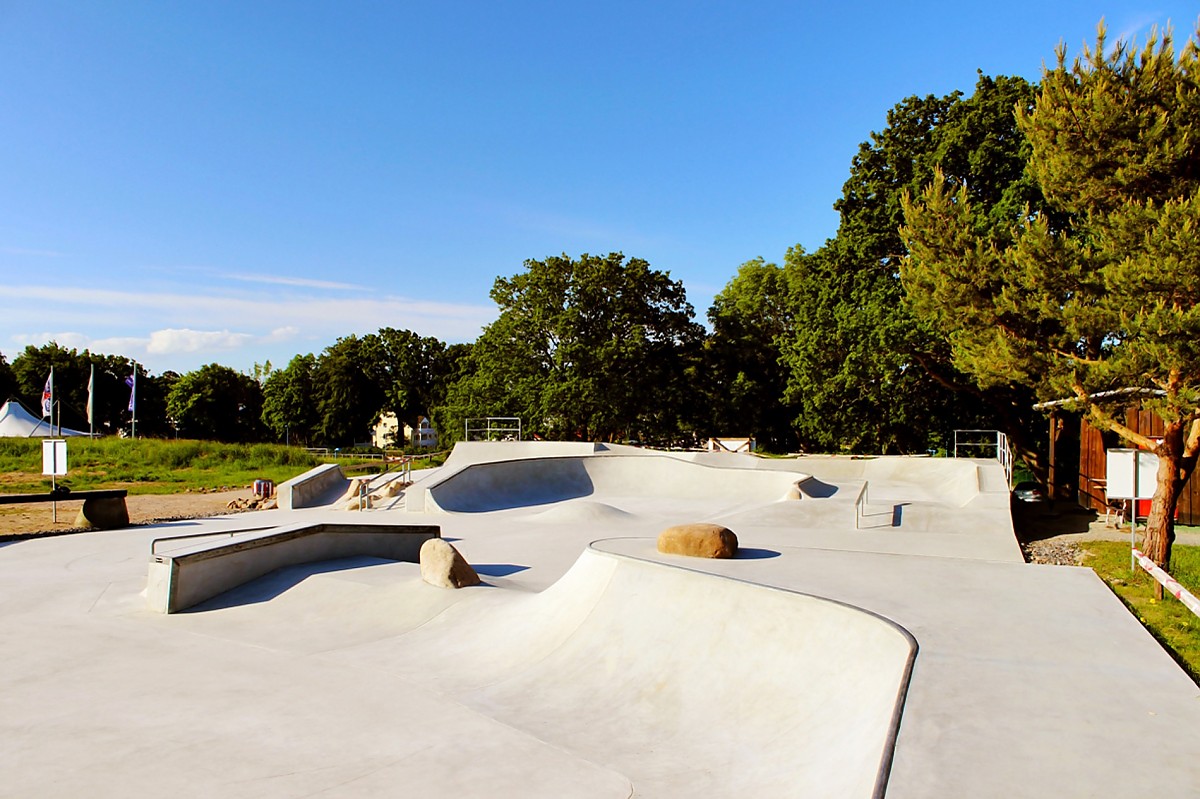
[
  {"x": 150, "y": 466},
  {"x": 1168, "y": 620}
]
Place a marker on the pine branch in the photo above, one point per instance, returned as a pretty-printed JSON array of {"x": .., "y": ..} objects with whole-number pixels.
[{"x": 1105, "y": 421}]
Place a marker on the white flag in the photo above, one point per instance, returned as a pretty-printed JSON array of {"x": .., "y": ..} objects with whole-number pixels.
[
  {"x": 48, "y": 395},
  {"x": 91, "y": 389}
]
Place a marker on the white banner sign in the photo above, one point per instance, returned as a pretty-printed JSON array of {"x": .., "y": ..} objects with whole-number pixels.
[
  {"x": 54, "y": 456},
  {"x": 1131, "y": 474}
]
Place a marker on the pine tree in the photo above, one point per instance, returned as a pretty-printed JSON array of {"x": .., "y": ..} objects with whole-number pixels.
[{"x": 1102, "y": 291}]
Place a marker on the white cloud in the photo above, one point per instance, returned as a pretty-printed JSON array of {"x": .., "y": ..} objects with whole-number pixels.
[
  {"x": 302, "y": 282},
  {"x": 67, "y": 339},
  {"x": 178, "y": 330},
  {"x": 283, "y": 334},
  {"x": 171, "y": 341},
  {"x": 120, "y": 345},
  {"x": 200, "y": 310}
]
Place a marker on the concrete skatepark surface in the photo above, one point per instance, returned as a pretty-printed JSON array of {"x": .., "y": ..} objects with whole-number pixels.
[{"x": 916, "y": 655}]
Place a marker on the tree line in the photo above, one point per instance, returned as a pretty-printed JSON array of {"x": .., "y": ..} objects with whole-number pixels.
[
  {"x": 1025, "y": 243},
  {"x": 821, "y": 353}
]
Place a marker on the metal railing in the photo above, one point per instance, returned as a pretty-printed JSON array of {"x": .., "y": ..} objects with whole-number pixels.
[
  {"x": 860, "y": 504},
  {"x": 154, "y": 543},
  {"x": 492, "y": 428},
  {"x": 993, "y": 441}
]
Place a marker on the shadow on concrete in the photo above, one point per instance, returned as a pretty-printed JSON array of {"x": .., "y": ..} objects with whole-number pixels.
[
  {"x": 269, "y": 586},
  {"x": 750, "y": 553},
  {"x": 812, "y": 487},
  {"x": 1037, "y": 521},
  {"x": 894, "y": 516},
  {"x": 498, "y": 569}
]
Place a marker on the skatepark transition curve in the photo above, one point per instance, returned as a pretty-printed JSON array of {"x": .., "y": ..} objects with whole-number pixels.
[
  {"x": 500, "y": 485},
  {"x": 689, "y": 684}
]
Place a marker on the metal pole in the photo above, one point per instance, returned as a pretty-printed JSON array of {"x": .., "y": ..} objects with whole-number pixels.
[
  {"x": 1133, "y": 514},
  {"x": 1132, "y": 534}
]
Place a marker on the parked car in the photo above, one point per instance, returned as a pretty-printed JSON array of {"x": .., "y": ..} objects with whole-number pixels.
[{"x": 1027, "y": 491}]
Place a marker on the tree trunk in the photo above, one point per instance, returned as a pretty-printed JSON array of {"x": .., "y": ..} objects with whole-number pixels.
[{"x": 1174, "y": 469}]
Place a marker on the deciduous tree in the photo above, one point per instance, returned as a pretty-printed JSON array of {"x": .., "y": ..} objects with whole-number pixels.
[
  {"x": 216, "y": 403},
  {"x": 290, "y": 404},
  {"x": 72, "y": 373},
  {"x": 594, "y": 348},
  {"x": 351, "y": 394},
  {"x": 866, "y": 372},
  {"x": 8, "y": 379},
  {"x": 751, "y": 319}
]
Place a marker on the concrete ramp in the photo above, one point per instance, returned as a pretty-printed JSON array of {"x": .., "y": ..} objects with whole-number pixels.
[
  {"x": 686, "y": 683},
  {"x": 501, "y": 485}
]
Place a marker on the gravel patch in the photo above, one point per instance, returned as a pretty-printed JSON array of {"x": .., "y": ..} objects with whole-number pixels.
[{"x": 1053, "y": 552}]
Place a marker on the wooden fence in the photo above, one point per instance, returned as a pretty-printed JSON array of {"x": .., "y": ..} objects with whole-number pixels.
[{"x": 1093, "y": 463}]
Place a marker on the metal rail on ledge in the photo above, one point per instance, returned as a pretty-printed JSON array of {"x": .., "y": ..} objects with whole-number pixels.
[{"x": 186, "y": 536}]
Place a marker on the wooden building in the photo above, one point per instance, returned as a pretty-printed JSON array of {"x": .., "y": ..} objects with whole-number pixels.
[{"x": 1092, "y": 469}]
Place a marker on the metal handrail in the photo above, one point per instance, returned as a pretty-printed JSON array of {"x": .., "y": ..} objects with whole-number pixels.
[
  {"x": 1003, "y": 451},
  {"x": 860, "y": 502},
  {"x": 154, "y": 543}
]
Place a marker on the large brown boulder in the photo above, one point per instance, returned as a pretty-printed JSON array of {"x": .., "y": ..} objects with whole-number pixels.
[
  {"x": 442, "y": 565},
  {"x": 106, "y": 513},
  {"x": 698, "y": 540}
]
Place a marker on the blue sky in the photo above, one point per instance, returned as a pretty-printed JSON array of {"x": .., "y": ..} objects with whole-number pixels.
[{"x": 236, "y": 182}]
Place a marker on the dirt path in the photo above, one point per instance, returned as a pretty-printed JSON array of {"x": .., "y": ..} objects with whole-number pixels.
[{"x": 143, "y": 509}]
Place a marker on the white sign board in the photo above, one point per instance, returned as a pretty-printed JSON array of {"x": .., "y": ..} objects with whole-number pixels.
[
  {"x": 54, "y": 456},
  {"x": 1131, "y": 474}
]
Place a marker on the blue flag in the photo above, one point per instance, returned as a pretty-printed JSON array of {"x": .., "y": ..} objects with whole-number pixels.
[{"x": 131, "y": 381}]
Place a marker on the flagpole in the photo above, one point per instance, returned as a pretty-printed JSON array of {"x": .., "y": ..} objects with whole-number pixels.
[{"x": 133, "y": 403}]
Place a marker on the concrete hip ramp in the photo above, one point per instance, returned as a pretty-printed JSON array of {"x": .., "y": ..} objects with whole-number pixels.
[
  {"x": 501, "y": 485},
  {"x": 688, "y": 684}
]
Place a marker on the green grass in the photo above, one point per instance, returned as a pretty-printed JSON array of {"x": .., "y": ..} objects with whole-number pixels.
[
  {"x": 150, "y": 466},
  {"x": 1175, "y": 627}
]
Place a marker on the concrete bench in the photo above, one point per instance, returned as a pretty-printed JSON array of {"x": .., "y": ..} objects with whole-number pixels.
[
  {"x": 105, "y": 509},
  {"x": 197, "y": 572}
]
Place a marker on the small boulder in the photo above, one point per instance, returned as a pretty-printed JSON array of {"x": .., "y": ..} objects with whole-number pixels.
[
  {"x": 356, "y": 504},
  {"x": 443, "y": 566},
  {"x": 698, "y": 540}
]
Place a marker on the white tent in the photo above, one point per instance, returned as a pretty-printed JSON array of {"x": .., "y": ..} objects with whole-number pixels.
[{"x": 16, "y": 422}]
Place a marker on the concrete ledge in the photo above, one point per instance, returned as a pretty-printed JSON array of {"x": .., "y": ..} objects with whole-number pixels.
[
  {"x": 177, "y": 582},
  {"x": 317, "y": 486}
]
